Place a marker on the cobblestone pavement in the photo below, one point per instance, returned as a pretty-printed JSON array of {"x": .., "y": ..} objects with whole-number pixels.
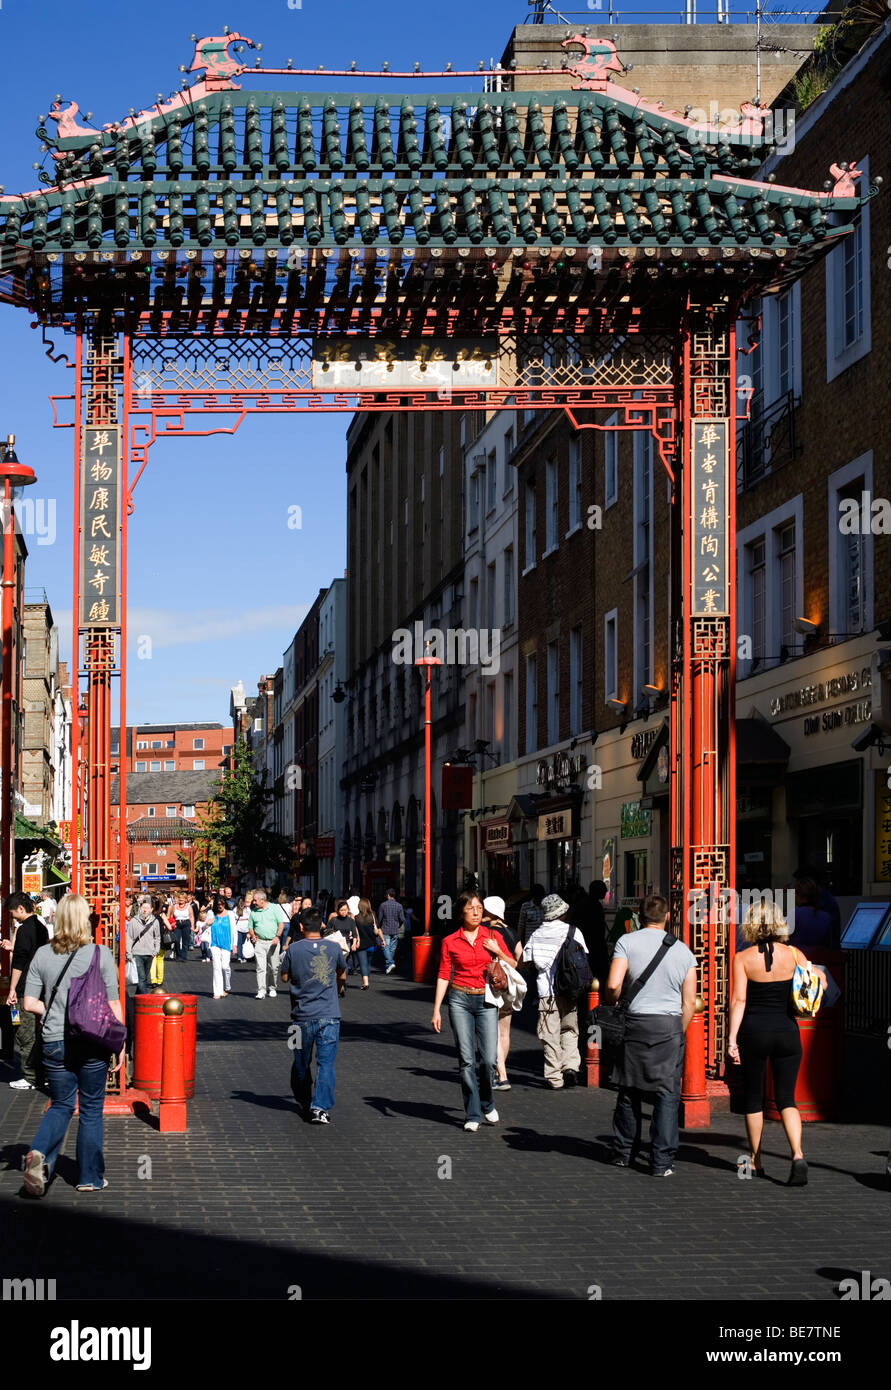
[{"x": 394, "y": 1199}]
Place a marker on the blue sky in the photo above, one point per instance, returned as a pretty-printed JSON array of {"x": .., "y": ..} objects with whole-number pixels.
[{"x": 218, "y": 580}]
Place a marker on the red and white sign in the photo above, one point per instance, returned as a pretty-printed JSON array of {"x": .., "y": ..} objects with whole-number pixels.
[
  {"x": 32, "y": 881},
  {"x": 496, "y": 836}
]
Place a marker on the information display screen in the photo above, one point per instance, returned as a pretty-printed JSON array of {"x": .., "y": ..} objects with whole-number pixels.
[{"x": 865, "y": 922}]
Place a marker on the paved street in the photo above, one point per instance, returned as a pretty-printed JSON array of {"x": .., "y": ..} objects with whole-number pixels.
[{"x": 251, "y": 1203}]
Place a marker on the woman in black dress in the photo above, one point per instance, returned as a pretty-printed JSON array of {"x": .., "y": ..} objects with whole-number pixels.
[{"x": 764, "y": 1029}]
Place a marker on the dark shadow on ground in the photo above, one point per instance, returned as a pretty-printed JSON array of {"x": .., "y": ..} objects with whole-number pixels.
[
  {"x": 143, "y": 1257},
  {"x": 415, "y": 1110}
]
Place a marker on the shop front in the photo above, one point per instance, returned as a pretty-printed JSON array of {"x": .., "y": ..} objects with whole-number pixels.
[{"x": 559, "y": 831}]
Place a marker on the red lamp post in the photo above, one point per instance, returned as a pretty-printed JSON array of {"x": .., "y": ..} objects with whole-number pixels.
[
  {"x": 13, "y": 474},
  {"x": 422, "y": 946}
]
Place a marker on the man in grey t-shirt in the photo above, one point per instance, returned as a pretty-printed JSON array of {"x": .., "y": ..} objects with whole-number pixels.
[{"x": 651, "y": 1058}]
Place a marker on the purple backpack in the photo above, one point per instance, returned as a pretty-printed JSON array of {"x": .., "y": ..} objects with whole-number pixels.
[{"x": 90, "y": 1019}]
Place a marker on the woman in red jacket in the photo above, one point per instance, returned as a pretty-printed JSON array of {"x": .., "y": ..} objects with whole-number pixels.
[{"x": 462, "y": 971}]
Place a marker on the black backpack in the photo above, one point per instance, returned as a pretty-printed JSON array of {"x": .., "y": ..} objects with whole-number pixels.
[{"x": 572, "y": 973}]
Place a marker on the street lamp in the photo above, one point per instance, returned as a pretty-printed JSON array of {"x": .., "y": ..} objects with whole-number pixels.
[
  {"x": 13, "y": 474},
  {"x": 422, "y": 946}
]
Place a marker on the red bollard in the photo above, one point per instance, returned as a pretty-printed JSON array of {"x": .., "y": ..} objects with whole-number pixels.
[
  {"x": 172, "y": 1109},
  {"x": 695, "y": 1112},
  {"x": 592, "y": 1054}
]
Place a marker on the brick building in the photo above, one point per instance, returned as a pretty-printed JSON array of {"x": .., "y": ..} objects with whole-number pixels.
[
  {"x": 173, "y": 747},
  {"x": 163, "y": 812}
]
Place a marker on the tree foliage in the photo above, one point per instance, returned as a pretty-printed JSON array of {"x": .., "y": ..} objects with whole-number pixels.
[{"x": 233, "y": 826}]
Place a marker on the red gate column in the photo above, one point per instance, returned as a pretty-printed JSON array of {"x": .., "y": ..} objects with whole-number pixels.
[{"x": 704, "y": 640}]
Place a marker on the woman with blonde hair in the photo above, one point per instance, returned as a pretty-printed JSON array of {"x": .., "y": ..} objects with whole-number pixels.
[
  {"x": 76, "y": 1072},
  {"x": 764, "y": 1029}
]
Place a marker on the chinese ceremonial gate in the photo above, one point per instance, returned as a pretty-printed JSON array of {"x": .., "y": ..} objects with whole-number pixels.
[{"x": 229, "y": 252}]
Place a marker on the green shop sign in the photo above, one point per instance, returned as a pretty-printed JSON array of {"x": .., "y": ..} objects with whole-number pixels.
[{"x": 636, "y": 821}]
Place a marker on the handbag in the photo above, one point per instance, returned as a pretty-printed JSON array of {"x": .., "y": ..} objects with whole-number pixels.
[
  {"x": 496, "y": 977},
  {"x": 90, "y": 1019},
  {"x": 611, "y": 1020},
  {"x": 807, "y": 987}
]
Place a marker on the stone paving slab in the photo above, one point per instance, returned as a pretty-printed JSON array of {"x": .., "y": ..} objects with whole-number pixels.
[{"x": 393, "y": 1199}]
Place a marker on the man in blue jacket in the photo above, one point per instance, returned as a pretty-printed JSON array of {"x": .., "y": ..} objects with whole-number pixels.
[{"x": 390, "y": 917}]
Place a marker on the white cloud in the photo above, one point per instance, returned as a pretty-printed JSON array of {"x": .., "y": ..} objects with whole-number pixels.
[{"x": 168, "y": 628}]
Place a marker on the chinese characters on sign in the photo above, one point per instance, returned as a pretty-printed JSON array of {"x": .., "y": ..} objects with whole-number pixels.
[
  {"x": 636, "y": 820},
  {"x": 708, "y": 500},
  {"x": 100, "y": 514},
  {"x": 556, "y": 826},
  {"x": 497, "y": 835}
]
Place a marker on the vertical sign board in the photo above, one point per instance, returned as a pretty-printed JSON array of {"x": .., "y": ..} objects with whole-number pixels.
[
  {"x": 100, "y": 519},
  {"x": 883, "y": 827},
  {"x": 708, "y": 501}
]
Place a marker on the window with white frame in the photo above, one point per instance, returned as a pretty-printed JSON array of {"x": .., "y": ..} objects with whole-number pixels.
[
  {"x": 473, "y": 500},
  {"x": 151, "y": 811},
  {"x": 491, "y": 595},
  {"x": 140, "y": 767},
  {"x": 197, "y": 764},
  {"x": 169, "y": 765},
  {"x": 154, "y": 767},
  {"x": 575, "y": 681},
  {"x": 574, "y": 484},
  {"x": 197, "y": 743},
  {"x": 611, "y": 461},
  {"x": 530, "y": 525},
  {"x": 848, "y": 299},
  {"x": 489, "y": 732},
  {"x": 508, "y": 469},
  {"x": 551, "y": 503},
  {"x": 531, "y": 703},
  {"x": 156, "y": 743},
  {"x": 509, "y": 584},
  {"x": 771, "y": 586},
  {"x": 851, "y": 548},
  {"x": 553, "y": 675},
  {"x": 491, "y": 481},
  {"x": 141, "y": 745},
  {"x": 170, "y": 811},
  {"x": 189, "y": 812},
  {"x": 610, "y": 654},
  {"x": 171, "y": 870},
  {"x": 474, "y": 602}
]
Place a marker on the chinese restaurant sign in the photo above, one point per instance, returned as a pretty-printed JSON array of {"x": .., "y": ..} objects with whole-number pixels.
[
  {"x": 709, "y": 504},
  {"x": 883, "y": 827},
  {"x": 100, "y": 518}
]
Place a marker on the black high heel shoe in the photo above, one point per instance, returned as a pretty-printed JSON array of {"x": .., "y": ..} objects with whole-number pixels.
[{"x": 798, "y": 1174}]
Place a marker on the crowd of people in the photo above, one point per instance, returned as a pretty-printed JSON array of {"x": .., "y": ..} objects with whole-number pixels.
[{"x": 486, "y": 968}]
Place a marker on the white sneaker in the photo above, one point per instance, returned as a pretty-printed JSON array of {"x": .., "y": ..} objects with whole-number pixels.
[
  {"x": 21, "y": 1085},
  {"x": 389, "y": 969},
  {"x": 472, "y": 1126},
  {"x": 261, "y": 994},
  {"x": 491, "y": 1118},
  {"x": 273, "y": 994}
]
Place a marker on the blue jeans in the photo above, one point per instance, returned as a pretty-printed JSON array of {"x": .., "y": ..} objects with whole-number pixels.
[
  {"x": 627, "y": 1122},
  {"x": 242, "y": 937},
  {"x": 182, "y": 940},
  {"x": 390, "y": 943},
  {"x": 323, "y": 1034},
  {"x": 475, "y": 1024},
  {"x": 365, "y": 961},
  {"x": 74, "y": 1075},
  {"x": 144, "y": 972}
]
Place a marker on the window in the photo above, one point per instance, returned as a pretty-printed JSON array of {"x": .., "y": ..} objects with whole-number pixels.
[
  {"x": 491, "y": 482},
  {"x": 507, "y": 721},
  {"x": 150, "y": 811},
  {"x": 489, "y": 731},
  {"x": 575, "y": 681},
  {"x": 611, "y": 461},
  {"x": 197, "y": 742},
  {"x": 771, "y": 593},
  {"x": 189, "y": 812},
  {"x": 141, "y": 745},
  {"x": 848, "y": 313},
  {"x": 474, "y": 603},
  {"x": 151, "y": 868},
  {"x": 785, "y": 344},
  {"x": 531, "y": 704},
  {"x": 473, "y": 501},
  {"x": 490, "y": 595},
  {"x": 154, "y": 767},
  {"x": 785, "y": 549},
  {"x": 509, "y": 584},
  {"x": 574, "y": 485},
  {"x": 156, "y": 743},
  {"x": 169, "y": 765},
  {"x": 530, "y": 527},
  {"x": 851, "y": 548},
  {"x": 227, "y": 748},
  {"x": 551, "y": 502},
  {"x": 198, "y": 765},
  {"x": 170, "y": 811},
  {"x": 140, "y": 767},
  {"x": 758, "y": 591},
  {"x": 508, "y": 470},
  {"x": 553, "y": 675},
  {"x": 171, "y": 870},
  {"x": 610, "y": 654}
]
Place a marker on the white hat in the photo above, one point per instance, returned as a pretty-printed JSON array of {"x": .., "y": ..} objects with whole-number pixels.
[
  {"x": 353, "y": 904},
  {"x": 495, "y": 906}
]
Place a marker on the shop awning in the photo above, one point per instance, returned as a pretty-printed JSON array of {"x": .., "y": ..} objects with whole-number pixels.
[
  {"x": 757, "y": 743},
  {"x": 37, "y": 834}
]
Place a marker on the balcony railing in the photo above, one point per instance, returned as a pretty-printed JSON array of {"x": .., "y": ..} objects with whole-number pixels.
[{"x": 767, "y": 440}]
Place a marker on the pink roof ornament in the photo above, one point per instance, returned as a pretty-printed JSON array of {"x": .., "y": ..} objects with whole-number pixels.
[
  {"x": 844, "y": 175},
  {"x": 212, "y": 54},
  {"x": 600, "y": 59}
]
